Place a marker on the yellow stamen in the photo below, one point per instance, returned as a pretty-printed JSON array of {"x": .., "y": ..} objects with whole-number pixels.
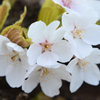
[
  {"x": 13, "y": 58},
  {"x": 46, "y": 46}
]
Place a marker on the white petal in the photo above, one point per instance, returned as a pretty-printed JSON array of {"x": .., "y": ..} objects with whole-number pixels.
[
  {"x": 56, "y": 66},
  {"x": 91, "y": 76},
  {"x": 47, "y": 59},
  {"x": 3, "y": 47},
  {"x": 57, "y": 35},
  {"x": 62, "y": 73},
  {"x": 95, "y": 4},
  {"x": 31, "y": 82},
  {"x": 63, "y": 50},
  {"x": 68, "y": 36},
  {"x": 92, "y": 35},
  {"x": 94, "y": 57},
  {"x": 50, "y": 85},
  {"x": 48, "y": 32},
  {"x": 33, "y": 52},
  {"x": 77, "y": 79},
  {"x": 24, "y": 62},
  {"x": 15, "y": 47},
  {"x": 82, "y": 49},
  {"x": 68, "y": 20},
  {"x": 89, "y": 16},
  {"x": 3, "y": 66},
  {"x": 15, "y": 75},
  {"x": 32, "y": 69},
  {"x": 36, "y": 31},
  {"x": 70, "y": 67}
]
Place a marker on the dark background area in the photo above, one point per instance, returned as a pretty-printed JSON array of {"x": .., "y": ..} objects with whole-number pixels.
[{"x": 86, "y": 92}]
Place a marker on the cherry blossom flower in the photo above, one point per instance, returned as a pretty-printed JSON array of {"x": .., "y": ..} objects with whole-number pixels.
[
  {"x": 72, "y": 5},
  {"x": 14, "y": 62},
  {"x": 49, "y": 79},
  {"x": 84, "y": 70},
  {"x": 81, "y": 31},
  {"x": 48, "y": 46},
  {"x": 78, "y": 5}
]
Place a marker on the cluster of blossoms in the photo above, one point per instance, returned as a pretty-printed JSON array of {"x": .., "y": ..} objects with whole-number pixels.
[{"x": 71, "y": 42}]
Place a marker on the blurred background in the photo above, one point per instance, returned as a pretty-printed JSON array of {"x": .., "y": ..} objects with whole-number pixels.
[{"x": 86, "y": 92}]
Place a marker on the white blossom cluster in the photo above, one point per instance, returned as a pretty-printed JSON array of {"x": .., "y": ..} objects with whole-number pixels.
[{"x": 72, "y": 42}]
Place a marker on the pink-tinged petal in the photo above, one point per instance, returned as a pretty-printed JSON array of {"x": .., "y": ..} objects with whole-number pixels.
[
  {"x": 32, "y": 81},
  {"x": 68, "y": 20},
  {"x": 15, "y": 75},
  {"x": 57, "y": 35},
  {"x": 35, "y": 31},
  {"x": 77, "y": 7},
  {"x": 82, "y": 49},
  {"x": 3, "y": 47},
  {"x": 49, "y": 30},
  {"x": 47, "y": 59},
  {"x": 33, "y": 52},
  {"x": 62, "y": 73},
  {"x": 77, "y": 79},
  {"x": 80, "y": 2},
  {"x": 92, "y": 36},
  {"x": 94, "y": 57},
  {"x": 63, "y": 50},
  {"x": 70, "y": 67},
  {"x": 4, "y": 64},
  {"x": 92, "y": 74},
  {"x": 50, "y": 84}
]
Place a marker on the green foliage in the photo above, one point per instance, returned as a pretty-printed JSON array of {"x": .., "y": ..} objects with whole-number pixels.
[
  {"x": 50, "y": 12},
  {"x": 41, "y": 96},
  {"x": 4, "y": 12}
]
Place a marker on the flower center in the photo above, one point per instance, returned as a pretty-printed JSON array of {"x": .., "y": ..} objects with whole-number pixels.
[
  {"x": 15, "y": 57},
  {"x": 84, "y": 65},
  {"x": 79, "y": 32},
  {"x": 46, "y": 74},
  {"x": 12, "y": 58},
  {"x": 46, "y": 46},
  {"x": 67, "y": 3}
]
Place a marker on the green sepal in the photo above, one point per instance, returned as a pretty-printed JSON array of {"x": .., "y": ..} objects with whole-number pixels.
[
  {"x": 19, "y": 22},
  {"x": 98, "y": 22},
  {"x": 25, "y": 32},
  {"x": 50, "y": 3},
  {"x": 50, "y": 12},
  {"x": 17, "y": 34},
  {"x": 4, "y": 12}
]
